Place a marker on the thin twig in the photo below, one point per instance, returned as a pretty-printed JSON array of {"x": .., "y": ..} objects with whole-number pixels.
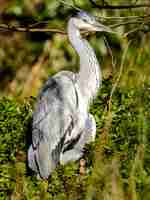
[
  {"x": 126, "y": 23},
  {"x": 119, "y": 75},
  {"x": 69, "y": 5},
  {"x": 39, "y": 23},
  {"x": 110, "y": 52},
  {"x": 132, "y": 31}
]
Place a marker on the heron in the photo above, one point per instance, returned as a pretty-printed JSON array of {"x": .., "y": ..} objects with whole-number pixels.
[{"x": 62, "y": 124}]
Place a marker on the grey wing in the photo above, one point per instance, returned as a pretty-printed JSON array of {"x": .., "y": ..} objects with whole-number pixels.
[
  {"x": 53, "y": 111},
  {"x": 52, "y": 120}
]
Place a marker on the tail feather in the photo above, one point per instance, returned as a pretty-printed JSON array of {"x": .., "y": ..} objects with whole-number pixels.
[
  {"x": 43, "y": 156},
  {"x": 40, "y": 160},
  {"x": 31, "y": 159}
]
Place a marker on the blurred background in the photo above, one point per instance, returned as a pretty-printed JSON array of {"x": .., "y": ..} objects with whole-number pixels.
[
  {"x": 27, "y": 59},
  {"x": 118, "y": 163}
]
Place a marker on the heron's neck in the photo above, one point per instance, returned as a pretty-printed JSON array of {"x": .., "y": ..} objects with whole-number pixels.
[{"x": 89, "y": 75}]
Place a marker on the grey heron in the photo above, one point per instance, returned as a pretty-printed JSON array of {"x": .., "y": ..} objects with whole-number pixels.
[{"x": 62, "y": 124}]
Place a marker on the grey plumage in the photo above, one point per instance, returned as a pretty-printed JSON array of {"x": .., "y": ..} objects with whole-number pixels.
[{"x": 61, "y": 122}]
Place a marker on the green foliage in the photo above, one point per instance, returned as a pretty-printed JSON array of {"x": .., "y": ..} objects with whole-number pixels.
[
  {"x": 14, "y": 121},
  {"x": 122, "y": 160},
  {"x": 13, "y": 125}
]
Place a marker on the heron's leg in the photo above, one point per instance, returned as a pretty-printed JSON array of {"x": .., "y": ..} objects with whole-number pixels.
[
  {"x": 87, "y": 135},
  {"x": 90, "y": 128}
]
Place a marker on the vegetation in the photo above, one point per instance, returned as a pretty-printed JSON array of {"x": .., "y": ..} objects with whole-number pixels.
[{"x": 118, "y": 162}]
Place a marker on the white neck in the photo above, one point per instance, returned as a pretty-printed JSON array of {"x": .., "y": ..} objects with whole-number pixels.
[{"x": 89, "y": 75}]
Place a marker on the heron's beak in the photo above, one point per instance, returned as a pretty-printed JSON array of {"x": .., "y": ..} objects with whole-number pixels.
[{"x": 102, "y": 28}]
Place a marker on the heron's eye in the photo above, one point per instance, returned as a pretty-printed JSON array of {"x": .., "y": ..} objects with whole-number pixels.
[
  {"x": 85, "y": 20},
  {"x": 90, "y": 20}
]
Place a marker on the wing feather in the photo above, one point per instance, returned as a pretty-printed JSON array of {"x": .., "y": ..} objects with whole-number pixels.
[{"x": 53, "y": 112}]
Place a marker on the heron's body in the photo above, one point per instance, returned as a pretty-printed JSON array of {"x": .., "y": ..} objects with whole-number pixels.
[{"x": 61, "y": 122}]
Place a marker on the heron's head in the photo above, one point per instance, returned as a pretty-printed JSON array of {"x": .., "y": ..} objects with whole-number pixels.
[{"x": 86, "y": 22}]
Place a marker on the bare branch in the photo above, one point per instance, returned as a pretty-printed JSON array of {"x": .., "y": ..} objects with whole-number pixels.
[
  {"x": 118, "y": 18},
  {"x": 5, "y": 27},
  {"x": 107, "y": 6},
  {"x": 110, "y": 21}
]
